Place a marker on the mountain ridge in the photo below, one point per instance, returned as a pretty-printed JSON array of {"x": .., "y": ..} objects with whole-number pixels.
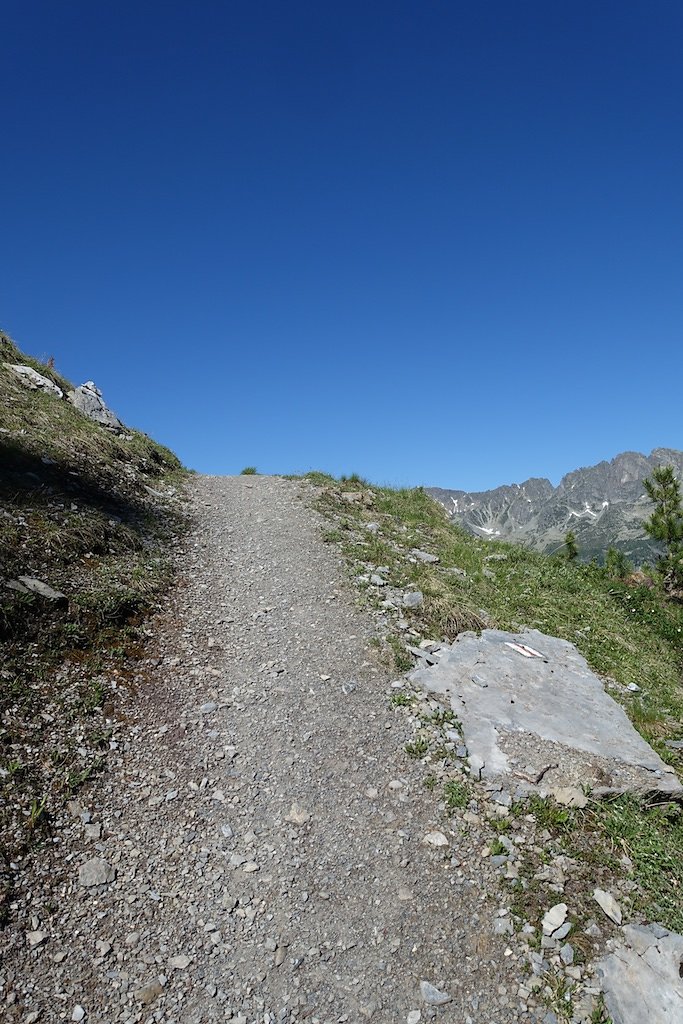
[{"x": 604, "y": 504}]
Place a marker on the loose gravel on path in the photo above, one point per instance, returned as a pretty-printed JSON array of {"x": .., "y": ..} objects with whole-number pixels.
[{"x": 258, "y": 841}]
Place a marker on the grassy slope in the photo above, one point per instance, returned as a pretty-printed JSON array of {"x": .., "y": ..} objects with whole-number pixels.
[
  {"x": 630, "y": 635},
  {"x": 89, "y": 512}
]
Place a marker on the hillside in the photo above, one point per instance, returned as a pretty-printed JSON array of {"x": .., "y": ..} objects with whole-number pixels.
[
  {"x": 86, "y": 514},
  {"x": 604, "y": 505}
]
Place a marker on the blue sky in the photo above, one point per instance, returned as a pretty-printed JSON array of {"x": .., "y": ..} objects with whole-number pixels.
[{"x": 434, "y": 242}]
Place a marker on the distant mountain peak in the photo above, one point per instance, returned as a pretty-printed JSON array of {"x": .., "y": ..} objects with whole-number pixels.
[{"x": 604, "y": 505}]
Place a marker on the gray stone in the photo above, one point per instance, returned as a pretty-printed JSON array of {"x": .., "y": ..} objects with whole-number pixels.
[
  {"x": 146, "y": 994},
  {"x": 34, "y": 380},
  {"x": 413, "y": 599},
  {"x": 88, "y": 400},
  {"x": 608, "y": 904},
  {"x": 432, "y": 995},
  {"x": 30, "y": 585},
  {"x": 207, "y": 708},
  {"x": 532, "y": 685},
  {"x": 567, "y": 954},
  {"x": 554, "y": 918},
  {"x": 641, "y": 979},
  {"x": 95, "y": 872},
  {"x": 424, "y": 556}
]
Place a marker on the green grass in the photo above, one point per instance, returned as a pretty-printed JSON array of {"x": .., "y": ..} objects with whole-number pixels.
[
  {"x": 249, "y": 471},
  {"x": 457, "y": 794}
]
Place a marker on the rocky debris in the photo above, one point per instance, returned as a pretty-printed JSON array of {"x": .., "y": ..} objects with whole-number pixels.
[
  {"x": 34, "y": 380},
  {"x": 642, "y": 979},
  {"x": 413, "y": 599},
  {"x": 88, "y": 399},
  {"x": 534, "y": 713},
  {"x": 30, "y": 585}
]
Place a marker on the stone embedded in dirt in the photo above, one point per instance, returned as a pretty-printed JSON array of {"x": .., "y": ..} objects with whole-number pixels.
[
  {"x": 569, "y": 796},
  {"x": 423, "y": 556},
  {"x": 179, "y": 962},
  {"x": 554, "y": 918},
  {"x": 35, "y": 938},
  {"x": 432, "y": 995},
  {"x": 207, "y": 708},
  {"x": 298, "y": 815},
  {"x": 30, "y": 585},
  {"x": 413, "y": 599},
  {"x": 435, "y": 839},
  {"x": 149, "y": 992},
  {"x": 88, "y": 399},
  {"x": 78, "y": 1013},
  {"x": 642, "y": 979},
  {"x": 95, "y": 872},
  {"x": 532, "y": 711},
  {"x": 608, "y": 904},
  {"x": 34, "y": 380},
  {"x": 414, "y": 1017}
]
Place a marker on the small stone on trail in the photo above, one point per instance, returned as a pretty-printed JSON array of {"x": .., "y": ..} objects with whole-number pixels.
[
  {"x": 78, "y": 1014},
  {"x": 432, "y": 995},
  {"x": 554, "y": 918},
  {"x": 435, "y": 839},
  {"x": 148, "y": 993},
  {"x": 608, "y": 904},
  {"x": 298, "y": 815},
  {"x": 95, "y": 872},
  {"x": 35, "y": 938},
  {"x": 414, "y": 1017},
  {"x": 207, "y": 708},
  {"x": 569, "y": 796},
  {"x": 179, "y": 962}
]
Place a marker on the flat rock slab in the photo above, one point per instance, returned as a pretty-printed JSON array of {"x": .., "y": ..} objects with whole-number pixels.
[
  {"x": 641, "y": 979},
  {"x": 535, "y": 715}
]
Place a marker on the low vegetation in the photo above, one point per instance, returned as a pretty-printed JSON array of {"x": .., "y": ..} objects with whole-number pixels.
[{"x": 89, "y": 513}]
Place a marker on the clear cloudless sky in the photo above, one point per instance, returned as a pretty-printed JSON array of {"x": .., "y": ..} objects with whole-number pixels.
[{"x": 428, "y": 242}]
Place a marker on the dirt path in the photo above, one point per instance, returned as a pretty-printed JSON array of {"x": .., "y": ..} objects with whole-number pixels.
[{"x": 264, "y": 823}]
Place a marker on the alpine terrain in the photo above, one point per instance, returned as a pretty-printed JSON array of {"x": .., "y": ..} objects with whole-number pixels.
[{"x": 603, "y": 505}]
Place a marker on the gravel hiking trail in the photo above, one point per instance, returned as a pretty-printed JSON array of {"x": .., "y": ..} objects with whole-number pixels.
[{"x": 256, "y": 851}]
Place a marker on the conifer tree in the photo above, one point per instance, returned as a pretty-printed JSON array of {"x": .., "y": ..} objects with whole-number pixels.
[
  {"x": 666, "y": 524},
  {"x": 571, "y": 548}
]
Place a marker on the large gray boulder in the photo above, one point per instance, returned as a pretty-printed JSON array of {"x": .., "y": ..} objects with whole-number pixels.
[
  {"x": 642, "y": 978},
  {"x": 535, "y": 716},
  {"x": 88, "y": 400}
]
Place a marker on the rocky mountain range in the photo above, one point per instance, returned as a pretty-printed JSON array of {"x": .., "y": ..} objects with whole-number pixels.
[{"x": 604, "y": 505}]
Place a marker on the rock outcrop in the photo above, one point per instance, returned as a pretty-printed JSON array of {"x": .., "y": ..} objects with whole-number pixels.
[{"x": 88, "y": 400}]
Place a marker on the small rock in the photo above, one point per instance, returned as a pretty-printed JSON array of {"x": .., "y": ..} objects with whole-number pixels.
[
  {"x": 298, "y": 815},
  {"x": 148, "y": 993},
  {"x": 78, "y": 1013},
  {"x": 413, "y": 599},
  {"x": 432, "y": 995},
  {"x": 554, "y": 918},
  {"x": 567, "y": 954},
  {"x": 424, "y": 556},
  {"x": 435, "y": 839},
  {"x": 95, "y": 872},
  {"x": 180, "y": 962},
  {"x": 207, "y": 708},
  {"x": 569, "y": 796},
  {"x": 608, "y": 904},
  {"x": 35, "y": 938},
  {"x": 414, "y": 1017}
]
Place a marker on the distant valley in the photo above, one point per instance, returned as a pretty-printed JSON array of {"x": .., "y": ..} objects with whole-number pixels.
[{"x": 604, "y": 505}]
